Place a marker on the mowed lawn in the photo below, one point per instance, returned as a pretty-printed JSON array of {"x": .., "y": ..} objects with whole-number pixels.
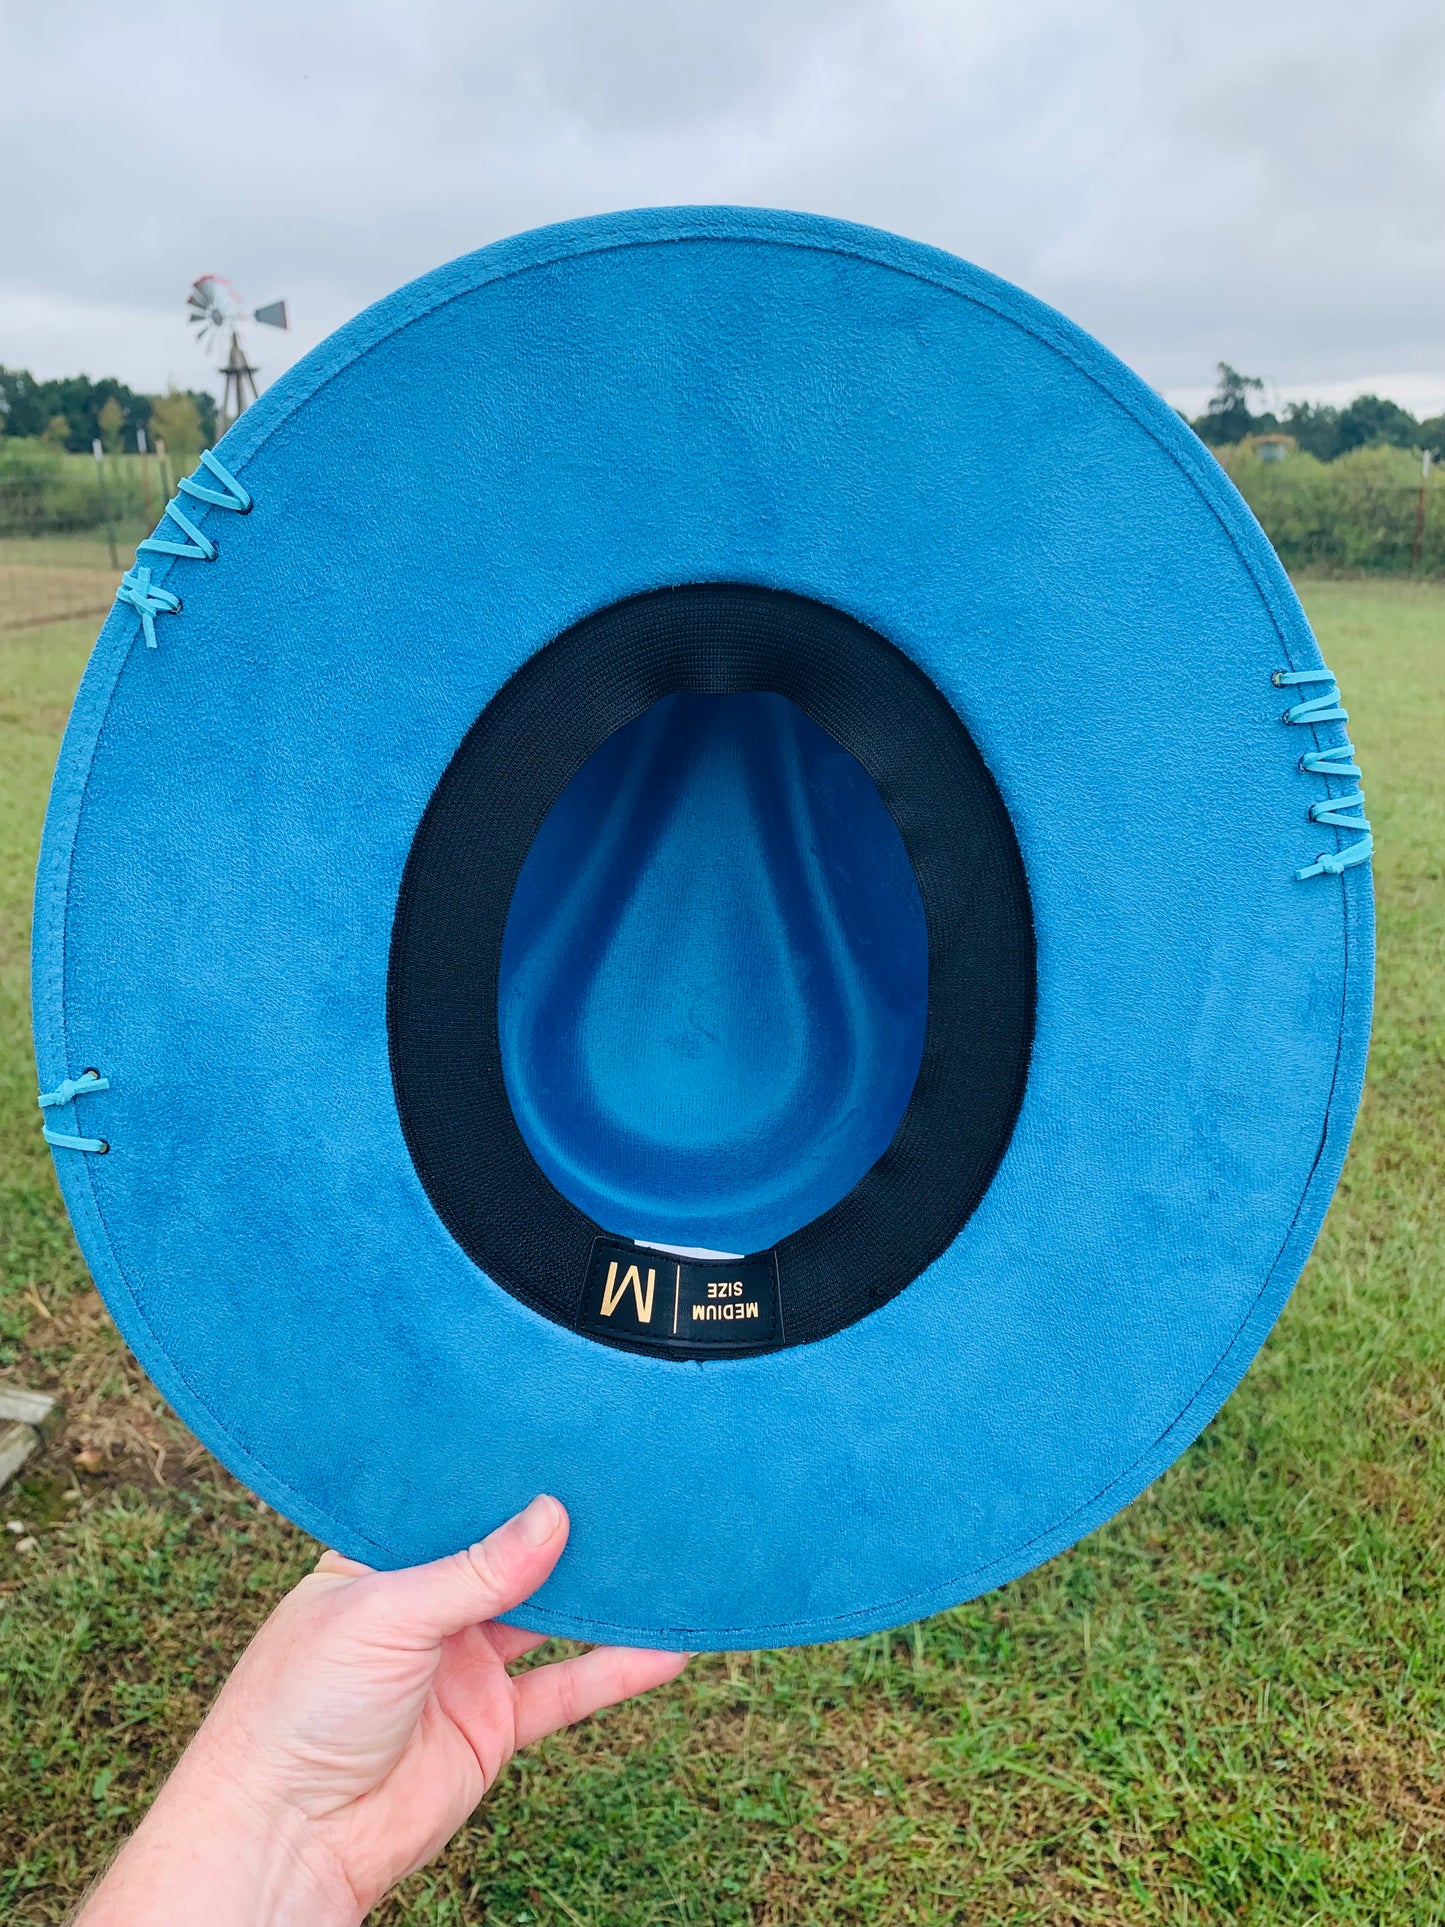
[{"x": 1228, "y": 1705}]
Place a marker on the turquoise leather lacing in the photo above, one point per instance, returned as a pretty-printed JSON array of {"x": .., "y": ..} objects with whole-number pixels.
[
  {"x": 235, "y": 497},
  {"x": 197, "y": 547},
  {"x": 1339, "y": 812},
  {"x": 136, "y": 588},
  {"x": 139, "y": 592},
  {"x": 65, "y": 1093}
]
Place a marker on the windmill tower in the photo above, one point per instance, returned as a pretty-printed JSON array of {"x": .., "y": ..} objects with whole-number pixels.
[{"x": 216, "y": 314}]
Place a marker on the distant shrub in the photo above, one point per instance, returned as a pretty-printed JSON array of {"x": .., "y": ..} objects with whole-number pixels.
[
  {"x": 1356, "y": 512},
  {"x": 177, "y": 422},
  {"x": 41, "y": 489},
  {"x": 45, "y": 491}
]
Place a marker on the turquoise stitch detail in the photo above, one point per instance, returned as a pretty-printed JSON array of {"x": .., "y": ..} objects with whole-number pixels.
[
  {"x": 200, "y": 548},
  {"x": 1338, "y": 812},
  {"x": 1316, "y": 709},
  {"x": 64, "y": 1142},
  {"x": 66, "y": 1092},
  {"x": 70, "y": 1088},
  {"x": 1319, "y": 709},
  {"x": 1329, "y": 811},
  {"x": 1331, "y": 863},
  {"x": 137, "y": 589},
  {"x": 235, "y": 498},
  {"x": 1339, "y": 761}
]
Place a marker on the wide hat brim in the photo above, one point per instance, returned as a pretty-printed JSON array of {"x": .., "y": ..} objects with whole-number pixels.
[{"x": 535, "y": 433}]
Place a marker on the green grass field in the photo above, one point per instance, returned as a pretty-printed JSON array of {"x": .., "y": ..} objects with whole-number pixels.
[{"x": 1228, "y": 1705}]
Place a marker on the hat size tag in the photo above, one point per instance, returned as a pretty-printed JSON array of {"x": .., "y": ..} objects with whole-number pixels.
[{"x": 650, "y": 1297}]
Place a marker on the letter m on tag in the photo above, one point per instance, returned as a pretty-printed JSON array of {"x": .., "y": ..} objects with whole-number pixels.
[{"x": 616, "y": 1289}]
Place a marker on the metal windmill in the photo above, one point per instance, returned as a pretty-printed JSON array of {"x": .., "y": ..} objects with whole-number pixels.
[{"x": 216, "y": 314}]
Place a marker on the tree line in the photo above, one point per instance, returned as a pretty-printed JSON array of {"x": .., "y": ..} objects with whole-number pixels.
[
  {"x": 73, "y": 412},
  {"x": 1369, "y": 421}
]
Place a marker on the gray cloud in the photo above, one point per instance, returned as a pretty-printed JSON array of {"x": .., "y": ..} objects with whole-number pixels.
[{"x": 1262, "y": 182}]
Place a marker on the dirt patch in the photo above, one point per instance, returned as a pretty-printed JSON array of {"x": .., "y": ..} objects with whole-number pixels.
[
  {"x": 116, "y": 1430},
  {"x": 32, "y": 594}
]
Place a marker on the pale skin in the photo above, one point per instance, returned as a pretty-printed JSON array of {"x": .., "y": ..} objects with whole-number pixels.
[{"x": 362, "y": 1725}]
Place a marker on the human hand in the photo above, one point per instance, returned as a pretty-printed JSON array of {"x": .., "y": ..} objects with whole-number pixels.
[{"x": 359, "y": 1729}]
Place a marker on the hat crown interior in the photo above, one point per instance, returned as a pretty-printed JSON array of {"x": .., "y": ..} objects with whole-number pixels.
[{"x": 714, "y": 976}]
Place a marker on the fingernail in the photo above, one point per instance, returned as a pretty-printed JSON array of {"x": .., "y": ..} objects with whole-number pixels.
[{"x": 540, "y": 1520}]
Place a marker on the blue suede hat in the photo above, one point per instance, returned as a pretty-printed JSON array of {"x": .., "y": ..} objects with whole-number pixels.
[{"x": 708, "y": 866}]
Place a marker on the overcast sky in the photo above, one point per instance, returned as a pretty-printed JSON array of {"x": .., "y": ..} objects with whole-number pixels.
[{"x": 1257, "y": 180}]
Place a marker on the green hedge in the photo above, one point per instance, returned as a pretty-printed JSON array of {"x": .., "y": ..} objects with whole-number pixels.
[
  {"x": 1357, "y": 512},
  {"x": 45, "y": 491}
]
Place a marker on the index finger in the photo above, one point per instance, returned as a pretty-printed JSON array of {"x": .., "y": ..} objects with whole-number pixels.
[{"x": 572, "y": 1689}]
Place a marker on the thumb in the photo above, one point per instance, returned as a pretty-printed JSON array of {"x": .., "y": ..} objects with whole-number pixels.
[{"x": 500, "y": 1571}]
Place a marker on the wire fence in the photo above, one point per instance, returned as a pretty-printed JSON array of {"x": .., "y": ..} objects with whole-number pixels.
[
  {"x": 69, "y": 525},
  {"x": 45, "y": 491},
  {"x": 1376, "y": 510},
  {"x": 54, "y": 579}
]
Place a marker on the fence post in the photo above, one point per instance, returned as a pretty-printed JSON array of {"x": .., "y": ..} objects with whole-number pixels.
[
  {"x": 1420, "y": 511},
  {"x": 145, "y": 474},
  {"x": 97, "y": 449}
]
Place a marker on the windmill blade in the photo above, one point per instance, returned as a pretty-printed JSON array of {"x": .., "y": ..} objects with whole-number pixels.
[
  {"x": 273, "y": 315},
  {"x": 215, "y": 311}
]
